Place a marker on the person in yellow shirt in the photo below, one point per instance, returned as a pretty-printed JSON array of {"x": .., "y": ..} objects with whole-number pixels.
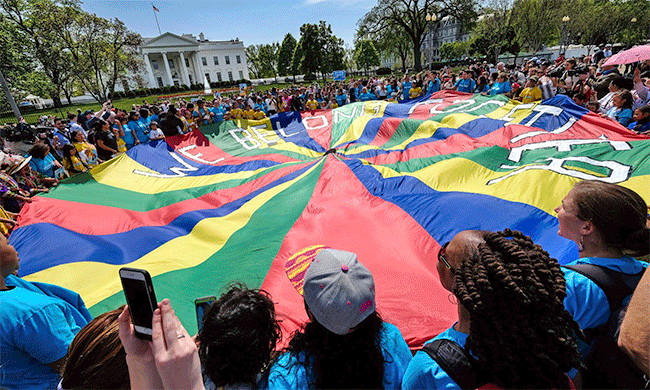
[
  {"x": 416, "y": 91},
  {"x": 236, "y": 113},
  {"x": 258, "y": 114},
  {"x": 249, "y": 113},
  {"x": 532, "y": 92},
  {"x": 312, "y": 104},
  {"x": 85, "y": 151},
  {"x": 333, "y": 104}
]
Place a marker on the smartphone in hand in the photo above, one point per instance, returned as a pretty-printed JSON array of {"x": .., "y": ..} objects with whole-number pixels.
[
  {"x": 201, "y": 305},
  {"x": 141, "y": 299}
]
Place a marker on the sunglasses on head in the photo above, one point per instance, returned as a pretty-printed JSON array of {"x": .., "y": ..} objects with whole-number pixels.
[{"x": 442, "y": 258}]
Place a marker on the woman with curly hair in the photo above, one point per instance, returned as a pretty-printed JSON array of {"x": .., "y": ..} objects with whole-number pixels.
[
  {"x": 238, "y": 335},
  {"x": 513, "y": 328},
  {"x": 345, "y": 344}
]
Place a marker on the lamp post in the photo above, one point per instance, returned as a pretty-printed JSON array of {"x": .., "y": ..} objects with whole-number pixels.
[
  {"x": 632, "y": 25},
  {"x": 431, "y": 18},
  {"x": 563, "y": 38}
]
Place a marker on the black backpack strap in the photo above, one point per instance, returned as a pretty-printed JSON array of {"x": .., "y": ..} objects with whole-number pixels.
[
  {"x": 453, "y": 359},
  {"x": 616, "y": 285}
]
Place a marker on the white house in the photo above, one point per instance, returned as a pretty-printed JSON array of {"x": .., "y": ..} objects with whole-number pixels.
[{"x": 170, "y": 59}]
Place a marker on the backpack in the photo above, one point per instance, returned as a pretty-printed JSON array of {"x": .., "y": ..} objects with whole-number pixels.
[
  {"x": 457, "y": 363},
  {"x": 606, "y": 365}
]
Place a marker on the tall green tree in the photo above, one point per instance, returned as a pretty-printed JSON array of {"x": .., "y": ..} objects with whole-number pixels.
[
  {"x": 365, "y": 55},
  {"x": 319, "y": 50},
  {"x": 454, "y": 50},
  {"x": 531, "y": 19},
  {"x": 296, "y": 60},
  {"x": 67, "y": 43},
  {"x": 495, "y": 34},
  {"x": 410, "y": 16},
  {"x": 103, "y": 51},
  {"x": 285, "y": 55},
  {"x": 391, "y": 41},
  {"x": 39, "y": 20}
]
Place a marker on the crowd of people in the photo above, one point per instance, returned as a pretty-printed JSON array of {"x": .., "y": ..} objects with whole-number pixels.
[{"x": 524, "y": 321}]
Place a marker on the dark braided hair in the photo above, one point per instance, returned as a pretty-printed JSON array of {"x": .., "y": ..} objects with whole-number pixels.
[{"x": 519, "y": 329}]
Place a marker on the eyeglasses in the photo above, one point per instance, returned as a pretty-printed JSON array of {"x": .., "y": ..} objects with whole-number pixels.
[{"x": 442, "y": 259}]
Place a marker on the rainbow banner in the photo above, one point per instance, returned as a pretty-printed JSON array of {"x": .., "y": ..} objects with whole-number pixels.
[{"x": 390, "y": 182}]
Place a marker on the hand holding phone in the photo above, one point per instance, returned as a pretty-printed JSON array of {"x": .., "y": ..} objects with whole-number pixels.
[
  {"x": 201, "y": 305},
  {"x": 141, "y": 299}
]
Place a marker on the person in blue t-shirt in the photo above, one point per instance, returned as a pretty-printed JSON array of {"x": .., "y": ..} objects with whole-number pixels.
[
  {"x": 466, "y": 83},
  {"x": 341, "y": 97},
  {"x": 345, "y": 344},
  {"x": 36, "y": 328},
  {"x": 406, "y": 87},
  {"x": 434, "y": 83},
  {"x": 218, "y": 111},
  {"x": 641, "y": 120},
  {"x": 366, "y": 96},
  {"x": 137, "y": 132},
  {"x": 501, "y": 86},
  {"x": 606, "y": 239},
  {"x": 500, "y": 327}
]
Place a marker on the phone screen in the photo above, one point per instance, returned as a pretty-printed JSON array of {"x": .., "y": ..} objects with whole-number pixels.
[
  {"x": 202, "y": 305},
  {"x": 139, "y": 296}
]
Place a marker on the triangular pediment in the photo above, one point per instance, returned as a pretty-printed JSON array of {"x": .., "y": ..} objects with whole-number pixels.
[{"x": 169, "y": 40}]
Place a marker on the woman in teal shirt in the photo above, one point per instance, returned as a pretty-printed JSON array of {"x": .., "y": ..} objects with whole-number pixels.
[{"x": 137, "y": 132}]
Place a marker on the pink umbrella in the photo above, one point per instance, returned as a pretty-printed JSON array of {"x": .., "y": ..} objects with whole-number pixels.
[{"x": 635, "y": 54}]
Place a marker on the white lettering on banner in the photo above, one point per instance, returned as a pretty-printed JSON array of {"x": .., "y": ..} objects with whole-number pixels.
[
  {"x": 434, "y": 110},
  {"x": 243, "y": 141},
  {"x": 497, "y": 102},
  {"x": 618, "y": 172},
  {"x": 323, "y": 119},
  {"x": 261, "y": 136},
  {"x": 425, "y": 103},
  {"x": 178, "y": 171},
  {"x": 371, "y": 107},
  {"x": 559, "y": 130},
  {"x": 336, "y": 114},
  {"x": 564, "y": 145},
  {"x": 466, "y": 103},
  {"x": 196, "y": 157},
  {"x": 284, "y": 134}
]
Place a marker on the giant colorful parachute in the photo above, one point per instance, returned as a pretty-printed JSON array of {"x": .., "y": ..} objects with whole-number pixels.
[{"x": 390, "y": 182}]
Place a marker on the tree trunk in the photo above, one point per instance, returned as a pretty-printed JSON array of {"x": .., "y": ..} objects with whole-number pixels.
[
  {"x": 56, "y": 100},
  {"x": 417, "y": 54}
]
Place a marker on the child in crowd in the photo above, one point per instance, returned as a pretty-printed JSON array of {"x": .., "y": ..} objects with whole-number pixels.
[
  {"x": 71, "y": 161},
  {"x": 622, "y": 107},
  {"x": 155, "y": 132},
  {"x": 593, "y": 106},
  {"x": 532, "y": 92},
  {"x": 579, "y": 99},
  {"x": 641, "y": 120}
]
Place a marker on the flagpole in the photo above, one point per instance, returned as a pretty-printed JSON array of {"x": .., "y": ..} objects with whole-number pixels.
[{"x": 156, "y": 16}]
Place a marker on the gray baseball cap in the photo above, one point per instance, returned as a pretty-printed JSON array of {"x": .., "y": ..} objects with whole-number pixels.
[{"x": 339, "y": 290}]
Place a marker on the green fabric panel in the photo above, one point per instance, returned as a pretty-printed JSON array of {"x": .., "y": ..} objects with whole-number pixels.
[{"x": 271, "y": 222}]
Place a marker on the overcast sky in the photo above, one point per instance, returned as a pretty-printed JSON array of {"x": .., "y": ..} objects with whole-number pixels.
[{"x": 253, "y": 22}]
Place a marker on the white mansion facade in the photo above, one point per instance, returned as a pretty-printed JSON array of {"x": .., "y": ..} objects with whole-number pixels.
[{"x": 170, "y": 59}]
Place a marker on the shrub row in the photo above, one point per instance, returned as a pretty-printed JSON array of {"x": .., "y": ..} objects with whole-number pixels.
[{"x": 173, "y": 89}]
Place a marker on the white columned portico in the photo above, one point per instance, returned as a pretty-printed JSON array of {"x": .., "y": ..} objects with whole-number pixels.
[
  {"x": 152, "y": 78},
  {"x": 201, "y": 76},
  {"x": 184, "y": 74},
  {"x": 169, "y": 72}
]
